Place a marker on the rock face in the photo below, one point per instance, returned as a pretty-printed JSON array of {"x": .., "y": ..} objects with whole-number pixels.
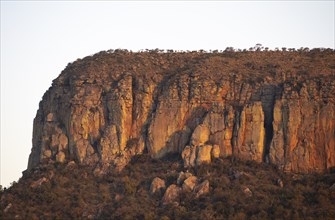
[
  {"x": 304, "y": 135},
  {"x": 275, "y": 107}
]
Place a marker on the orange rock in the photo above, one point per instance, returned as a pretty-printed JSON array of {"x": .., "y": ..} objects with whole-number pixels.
[{"x": 102, "y": 109}]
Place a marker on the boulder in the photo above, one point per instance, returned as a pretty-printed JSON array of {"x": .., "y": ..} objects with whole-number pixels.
[
  {"x": 50, "y": 117},
  {"x": 280, "y": 183},
  {"x": 183, "y": 176},
  {"x": 71, "y": 164},
  {"x": 189, "y": 184},
  {"x": 201, "y": 189},
  {"x": 39, "y": 182},
  {"x": 247, "y": 192},
  {"x": 7, "y": 207},
  {"x": 172, "y": 195},
  {"x": 157, "y": 186},
  {"x": 60, "y": 157}
]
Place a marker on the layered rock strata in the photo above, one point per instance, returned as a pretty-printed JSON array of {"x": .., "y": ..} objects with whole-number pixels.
[{"x": 271, "y": 107}]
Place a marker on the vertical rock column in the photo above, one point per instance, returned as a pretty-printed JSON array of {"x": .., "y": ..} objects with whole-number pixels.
[
  {"x": 277, "y": 151},
  {"x": 220, "y": 121},
  {"x": 251, "y": 134},
  {"x": 120, "y": 107},
  {"x": 87, "y": 118}
]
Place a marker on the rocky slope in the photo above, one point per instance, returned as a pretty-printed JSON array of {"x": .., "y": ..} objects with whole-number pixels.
[{"x": 275, "y": 107}]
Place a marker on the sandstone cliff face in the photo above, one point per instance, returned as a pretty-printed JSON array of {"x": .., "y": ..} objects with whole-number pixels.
[
  {"x": 304, "y": 128},
  {"x": 106, "y": 108}
]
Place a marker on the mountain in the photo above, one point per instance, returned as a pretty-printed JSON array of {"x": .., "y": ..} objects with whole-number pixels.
[
  {"x": 169, "y": 135},
  {"x": 275, "y": 107}
]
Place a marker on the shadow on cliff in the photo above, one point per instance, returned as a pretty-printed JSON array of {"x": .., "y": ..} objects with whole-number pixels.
[
  {"x": 268, "y": 95},
  {"x": 191, "y": 119}
]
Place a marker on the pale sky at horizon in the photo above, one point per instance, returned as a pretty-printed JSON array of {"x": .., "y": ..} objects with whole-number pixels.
[{"x": 38, "y": 39}]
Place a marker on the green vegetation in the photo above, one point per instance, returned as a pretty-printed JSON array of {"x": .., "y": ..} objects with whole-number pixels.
[{"x": 73, "y": 192}]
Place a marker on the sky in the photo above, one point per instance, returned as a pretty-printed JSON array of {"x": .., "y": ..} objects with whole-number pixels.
[{"x": 38, "y": 39}]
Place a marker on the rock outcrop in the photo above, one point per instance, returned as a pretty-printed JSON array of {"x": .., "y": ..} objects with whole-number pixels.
[
  {"x": 187, "y": 184},
  {"x": 275, "y": 107}
]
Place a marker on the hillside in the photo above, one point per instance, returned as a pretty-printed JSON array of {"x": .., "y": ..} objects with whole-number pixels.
[{"x": 237, "y": 190}]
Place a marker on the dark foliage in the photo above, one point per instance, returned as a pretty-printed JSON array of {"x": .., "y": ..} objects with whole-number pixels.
[{"x": 73, "y": 192}]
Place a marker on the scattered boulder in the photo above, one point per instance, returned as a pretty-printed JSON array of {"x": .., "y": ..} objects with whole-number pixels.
[
  {"x": 47, "y": 154},
  {"x": 118, "y": 197},
  {"x": 7, "y": 207},
  {"x": 183, "y": 176},
  {"x": 247, "y": 192},
  {"x": 189, "y": 184},
  {"x": 60, "y": 157},
  {"x": 172, "y": 195},
  {"x": 280, "y": 183},
  {"x": 235, "y": 174},
  {"x": 91, "y": 216},
  {"x": 204, "y": 154},
  {"x": 39, "y": 182},
  {"x": 71, "y": 165},
  {"x": 50, "y": 117},
  {"x": 201, "y": 189},
  {"x": 157, "y": 186}
]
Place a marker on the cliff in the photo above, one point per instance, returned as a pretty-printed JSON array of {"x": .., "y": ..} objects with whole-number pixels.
[{"x": 275, "y": 107}]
